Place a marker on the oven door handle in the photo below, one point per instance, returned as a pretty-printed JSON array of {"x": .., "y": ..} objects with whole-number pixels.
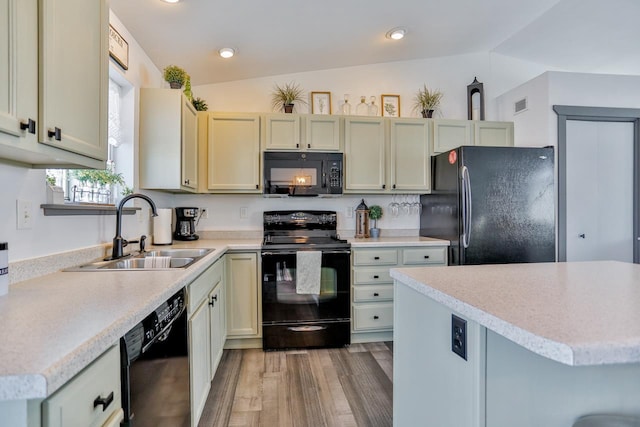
[{"x": 345, "y": 251}]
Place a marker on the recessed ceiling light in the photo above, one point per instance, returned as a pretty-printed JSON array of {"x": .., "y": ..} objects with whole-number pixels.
[
  {"x": 396, "y": 33},
  {"x": 226, "y": 52},
  {"x": 171, "y": 1}
]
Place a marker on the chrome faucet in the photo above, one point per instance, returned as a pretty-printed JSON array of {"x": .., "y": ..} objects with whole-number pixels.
[{"x": 118, "y": 241}]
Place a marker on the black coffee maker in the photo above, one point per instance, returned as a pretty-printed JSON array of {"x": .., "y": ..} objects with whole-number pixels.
[{"x": 186, "y": 224}]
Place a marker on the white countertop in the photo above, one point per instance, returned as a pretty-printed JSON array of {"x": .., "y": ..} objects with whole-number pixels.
[
  {"x": 53, "y": 326},
  {"x": 396, "y": 241},
  {"x": 582, "y": 313}
]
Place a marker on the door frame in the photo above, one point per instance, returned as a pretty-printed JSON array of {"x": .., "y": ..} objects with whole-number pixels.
[{"x": 595, "y": 114}]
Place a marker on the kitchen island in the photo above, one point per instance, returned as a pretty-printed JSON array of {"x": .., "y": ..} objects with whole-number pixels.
[{"x": 545, "y": 343}]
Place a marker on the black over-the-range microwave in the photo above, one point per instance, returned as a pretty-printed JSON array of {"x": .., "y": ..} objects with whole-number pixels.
[{"x": 302, "y": 174}]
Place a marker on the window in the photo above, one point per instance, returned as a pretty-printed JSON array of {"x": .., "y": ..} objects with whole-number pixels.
[{"x": 98, "y": 186}]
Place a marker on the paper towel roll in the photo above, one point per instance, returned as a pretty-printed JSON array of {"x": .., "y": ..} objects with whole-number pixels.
[{"x": 162, "y": 234}]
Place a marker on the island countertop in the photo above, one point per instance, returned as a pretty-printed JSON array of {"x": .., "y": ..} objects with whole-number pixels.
[{"x": 580, "y": 313}]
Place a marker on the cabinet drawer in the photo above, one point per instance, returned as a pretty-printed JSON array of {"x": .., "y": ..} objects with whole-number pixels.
[
  {"x": 74, "y": 404},
  {"x": 369, "y": 293},
  {"x": 375, "y": 257},
  {"x": 203, "y": 284},
  {"x": 373, "y": 316},
  {"x": 369, "y": 276},
  {"x": 424, "y": 256}
]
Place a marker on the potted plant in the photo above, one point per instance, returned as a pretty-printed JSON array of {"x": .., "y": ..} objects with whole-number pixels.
[
  {"x": 187, "y": 88},
  {"x": 427, "y": 101},
  {"x": 200, "y": 104},
  {"x": 283, "y": 97},
  {"x": 375, "y": 213},
  {"x": 175, "y": 76}
]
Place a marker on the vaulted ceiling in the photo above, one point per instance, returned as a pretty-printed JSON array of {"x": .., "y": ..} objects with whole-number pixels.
[{"x": 288, "y": 36}]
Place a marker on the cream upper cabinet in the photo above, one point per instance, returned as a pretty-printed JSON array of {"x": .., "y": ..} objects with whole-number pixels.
[
  {"x": 282, "y": 131},
  {"x": 73, "y": 79},
  {"x": 494, "y": 134},
  {"x": 301, "y": 132},
  {"x": 448, "y": 134},
  {"x": 365, "y": 154},
  {"x": 168, "y": 141},
  {"x": 410, "y": 156},
  {"x": 322, "y": 133},
  {"x": 233, "y": 153},
  {"x": 27, "y": 54}
]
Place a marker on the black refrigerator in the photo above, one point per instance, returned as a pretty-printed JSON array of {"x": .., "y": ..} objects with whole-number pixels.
[{"x": 495, "y": 204}]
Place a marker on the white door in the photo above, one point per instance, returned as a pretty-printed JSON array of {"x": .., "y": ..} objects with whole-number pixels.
[{"x": 599, "y": 191}]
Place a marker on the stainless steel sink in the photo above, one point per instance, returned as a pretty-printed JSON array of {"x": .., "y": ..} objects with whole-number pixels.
[{"x": 179, "y": 258}]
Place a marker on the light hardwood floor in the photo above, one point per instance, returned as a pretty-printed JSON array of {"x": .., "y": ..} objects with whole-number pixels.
[{"x": 303, "y": 388}]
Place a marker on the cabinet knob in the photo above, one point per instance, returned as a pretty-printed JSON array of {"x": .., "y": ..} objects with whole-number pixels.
[
  {"x": 376, "y": 257},
  {"x": 55, "y": 134},
  {"x": 384, "y": 186},
  {"x": 297, "y": 145},
  {"x": 104, "y": 401},
  {"x": 375, "y": 294},
  {"x": 376, "y": 277},
  {"x": 186, "y": 182},
  {"x": 394, "y": 186},
  {"x": 213, "y": 300},
  {"x": 30, "y": 125},
  {"x": 426, "y": 257},
  {"x": 375, "y": 317},
  {"x": 308, "y": 145},
  {"x": 257, "y": 186}
]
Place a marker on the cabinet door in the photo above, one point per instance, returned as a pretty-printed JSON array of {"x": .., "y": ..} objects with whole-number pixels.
[
  {"x": 449, "y": 134},
  {"x": 323, "y": 133},
  {"x": 364, "y": 154},
  {"x": 410, "y": 157},
  {"x": 217, "y": 325},
  {"x": 199, "y": 360},
  {"x": 498, "y": 134},
  {"x": 18, "y": 69},
  {"x": 234, "y": 153},
  {"x": 242, "y": 302},
  {"x": 189, "y": 145},
  {"x": 282, "y": 132},
  {"x": 74, "y": 75}
]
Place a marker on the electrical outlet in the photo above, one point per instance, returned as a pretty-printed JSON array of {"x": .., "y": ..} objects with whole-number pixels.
[
  {"x": 244, "y": 213},
  {"x": 24, "y": 214},
  {"x": 459, "y": 336},
  {"x": 348, "y": 212},
  {"x": 204, "y": 213}
]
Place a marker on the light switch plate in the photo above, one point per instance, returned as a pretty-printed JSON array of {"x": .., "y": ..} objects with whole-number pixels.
[
  {"x": 244, "y": 213},
  {"x": 24, "y": 214}
]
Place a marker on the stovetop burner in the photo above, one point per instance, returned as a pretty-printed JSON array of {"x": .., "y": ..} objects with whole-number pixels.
[{"x": 301, "y": 229}]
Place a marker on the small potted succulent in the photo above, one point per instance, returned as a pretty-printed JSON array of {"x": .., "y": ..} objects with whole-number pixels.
[
  {"x": 283, "y": 97},
  {"x": 175, "y": 76},
  {"x": 427, "y": 101},
  {"x": 375, "y": 213},
  {"x": 199, "y": 104}
]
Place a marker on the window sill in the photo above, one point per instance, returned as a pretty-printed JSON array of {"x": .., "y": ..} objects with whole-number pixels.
[{"x": 84, "y": 209}]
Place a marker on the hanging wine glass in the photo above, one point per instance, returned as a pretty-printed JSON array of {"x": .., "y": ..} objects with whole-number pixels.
[{"x": 393, "y": 206}]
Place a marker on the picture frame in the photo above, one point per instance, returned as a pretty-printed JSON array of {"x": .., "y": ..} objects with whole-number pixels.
[
  {"x": 320, "y": 102},
  {"x": 390, "y": 105},
  {"x": 118, "y": 48}
]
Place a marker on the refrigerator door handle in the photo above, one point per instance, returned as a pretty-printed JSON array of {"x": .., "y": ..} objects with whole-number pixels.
[{"x": 466, "y": 207}]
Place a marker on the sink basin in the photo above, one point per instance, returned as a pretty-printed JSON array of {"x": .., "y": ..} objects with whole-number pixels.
[{"x": 180, "y": 258}]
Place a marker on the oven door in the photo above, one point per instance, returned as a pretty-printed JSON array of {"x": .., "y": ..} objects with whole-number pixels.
[{"x": 282, "y": 304}]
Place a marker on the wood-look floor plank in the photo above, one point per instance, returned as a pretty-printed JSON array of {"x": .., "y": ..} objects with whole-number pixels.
[
  {"x": 305, "y": 401},
  {"x": 217, "y": 409},
  {"x": 340, "y": 402},
  {"x": 249, "y": 389},
  {"x": 326, "y": 393}
]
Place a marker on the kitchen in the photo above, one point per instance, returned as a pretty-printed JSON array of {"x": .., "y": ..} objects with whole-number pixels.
[{"x": 52, "y": 235}]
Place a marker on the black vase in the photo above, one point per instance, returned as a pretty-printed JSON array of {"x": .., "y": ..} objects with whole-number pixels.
[{"x": 427, "y": 114}]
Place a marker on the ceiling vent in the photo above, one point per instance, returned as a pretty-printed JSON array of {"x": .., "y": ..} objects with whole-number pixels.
[{"x": 520, "y": 106}]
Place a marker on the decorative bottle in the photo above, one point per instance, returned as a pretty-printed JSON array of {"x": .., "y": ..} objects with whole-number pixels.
[
  {"x": 373, "y": 108},
  {"x": 362, "y": 108},
  {"x": 346, "y": 107}
]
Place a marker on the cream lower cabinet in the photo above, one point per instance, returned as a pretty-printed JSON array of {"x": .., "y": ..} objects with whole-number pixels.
[
  {"x": 91, "y": 398},
  {"x": 41, "y": 93},
  {"x": 218, "y": 324},
  {"x": 243, "y": 300},
  {"x": 204, "y": 326},
  {"x": 168, "y": 141},
  {"x": 232, "y": 151},
  {"x": 365, "y": 155},
  {"x": 372, "y": 286},
  {"x": 450, "y": 134}
]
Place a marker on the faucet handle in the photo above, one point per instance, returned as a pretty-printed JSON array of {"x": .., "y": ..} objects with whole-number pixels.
[{"x": 143, "y": 242}]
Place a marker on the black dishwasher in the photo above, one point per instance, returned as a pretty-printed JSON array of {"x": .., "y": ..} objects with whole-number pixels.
[{"x": 155, "y": 368}]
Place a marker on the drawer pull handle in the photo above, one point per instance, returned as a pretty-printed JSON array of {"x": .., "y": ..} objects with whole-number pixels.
[
  {"x": 375, "y": 317},
  {"x": 376, "y": 277},
  {"x": 376, "y": 257},
  {"x": 213, "y": 300},
  {"x": 375, "y": 294},
  {"x": 426, "y": 257},
  {"x": 104, "y": 401}
]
